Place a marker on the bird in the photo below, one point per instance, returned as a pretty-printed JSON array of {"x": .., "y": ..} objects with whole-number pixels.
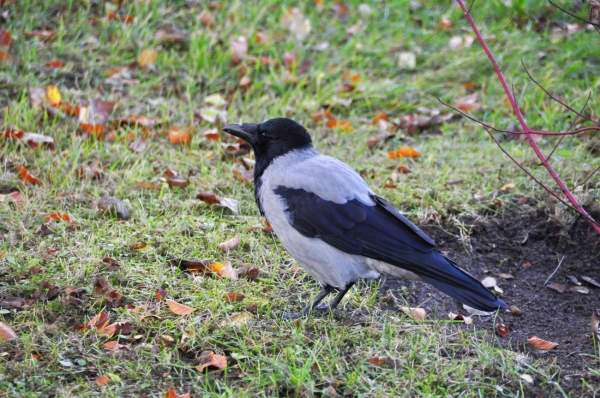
[{"x": 336, "y": 227}]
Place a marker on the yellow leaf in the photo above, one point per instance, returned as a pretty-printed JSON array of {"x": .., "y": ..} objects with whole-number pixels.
[
  {"x": 147, "y": 56},
  {"x": 52, "y": 95}
]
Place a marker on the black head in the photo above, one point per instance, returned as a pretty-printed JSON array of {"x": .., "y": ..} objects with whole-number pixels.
[{"x": 272, "y": 138}]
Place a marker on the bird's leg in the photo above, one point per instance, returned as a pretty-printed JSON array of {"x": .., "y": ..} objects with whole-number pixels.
[
  {"x": 334, "y": 303},
  {"x": 322, "y": 294}
]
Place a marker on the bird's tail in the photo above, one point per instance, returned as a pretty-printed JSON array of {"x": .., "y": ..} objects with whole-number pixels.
[{"x": 448, "y": 277}]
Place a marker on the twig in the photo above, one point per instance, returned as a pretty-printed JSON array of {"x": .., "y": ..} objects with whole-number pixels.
[
  {"x": 551, "y": 96},
  {"x": 528, "y": 132},
  {"x": 573, "y": 15},
  {"x": 588, "y": 178},
  {"x": 552, "y": 274},
  {"x": 570, "y": 126}
]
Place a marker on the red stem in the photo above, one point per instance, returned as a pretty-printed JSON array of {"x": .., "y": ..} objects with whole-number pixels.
[{"x": 524, "y": 125}]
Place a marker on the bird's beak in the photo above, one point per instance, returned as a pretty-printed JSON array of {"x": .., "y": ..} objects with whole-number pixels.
[{"x": 246, "y": 131}]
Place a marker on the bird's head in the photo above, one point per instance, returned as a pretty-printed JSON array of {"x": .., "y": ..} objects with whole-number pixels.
[{"x": 272, "y": 138}]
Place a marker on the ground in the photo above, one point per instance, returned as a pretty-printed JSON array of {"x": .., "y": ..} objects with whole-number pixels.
[{"x": 366, "y": 79}]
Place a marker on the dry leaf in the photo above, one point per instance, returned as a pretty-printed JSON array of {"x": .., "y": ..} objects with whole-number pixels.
[
  {"x": 102, "y": 380},
  {"x": 590, "y": 281},
  {"x": 230, "y": 244},
  {"x": 147, "y": 57},
  {"x": 173, "y": 181},
  {"x": 541, "y": 344},
  {"x": 225, "y": 270},
  {"x": 112, "y": 206},
  {"x": 209, "y": 358},
  {"x": 16, "y": 196},
  {"x": 178, "y": 137},
  {"x": 149, "y": 185},
  {"x": 6, "y": 333},
  {"x": 5, "y": 38},
  {"x": 160, "y": 294},
  {"x": 138, "y": 145},
  {"x": 579, "y": 289},
  {"x": 459, "y": 317},
  {"x": 211, "y": 198},
  {"x": 502, "y": 329},
  {"x": 232, "y": 296},
  {"x": 45, "y": 35},
  {"x": 415, "y": 313},
  {"x": 138, "y": 246},
  {"x": 5, "y": 58},
  {"x": 136, "y": 120},
  {"x": 489, "y": 282},
  {"x": 506, "y": 276},
  {"x": 460, "y": 42},
  {"x": 239, "y": 318},
  {"x": 468, "y": 103},
  {"x": 28, "y": 177},
  {"x": 193, "y": 266},
  {"x": 94, "y": 115},
  {"x": 179, "y": 309},
  {"x": 506, "y": 188},
  {"x": 55, "y": 64},
  {"x": 99, "y": 321},
  {"x": 557, "y": 286},
  {"x": 515, "y": 310},
  {"x": 172, "y": 394},
  {"x": 404, "y": 152}
]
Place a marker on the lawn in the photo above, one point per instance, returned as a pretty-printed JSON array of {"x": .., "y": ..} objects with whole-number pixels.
[{"x": 190, "y": 67}]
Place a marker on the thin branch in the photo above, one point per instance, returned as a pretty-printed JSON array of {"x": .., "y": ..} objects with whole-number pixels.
[
  {"x": 550, "y": 95},
  {"x": 550, "y": 133},
  {"x": 573, "y": 15},
  {"x": 587, "y": 179},
  {"x": 529, "y": 133},
  {"x": 570, "y": 126},
  {"x": 541, "y": 184},
  {"x": 471, "y": 6},
  {"x": 591, "y": 16}
]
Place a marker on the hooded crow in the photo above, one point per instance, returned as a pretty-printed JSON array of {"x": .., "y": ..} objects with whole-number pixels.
[{"x": 337, "y": 228}]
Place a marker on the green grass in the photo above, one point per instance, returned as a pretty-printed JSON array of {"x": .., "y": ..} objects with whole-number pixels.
[{"x": 268, "y": 356}]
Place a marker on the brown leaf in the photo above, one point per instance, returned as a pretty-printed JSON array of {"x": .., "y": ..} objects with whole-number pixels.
[
  {"x": 136, "y": 120},
  {"x": 111, "y": 206},
  {"x": 212, "y": 134},
  {"x": 172, "y": 394},
  {"x": 239, "y": 47},
  {"x": 459, "y": 317},
  {"x": 502, "y": 329},
  {"x": 579, "y": 289},
  {"x": 243, "y": 175},
  {"x": 211, "y": 198},
  {"x": 506, "y": 188},
  {"x": 506, "y": 276},
  {"x": 230, "y": 244},
  {"x": 384, "y": 361},
  {"x": 5, "y": 38},
  {"x": 138, "y": 145},
  {"x": 147, "y": 57},
  {"x": 149, "y": 185},
  {"x": 99, "y": 321},
  {"x": 225, "y": 270},
  {"x": 6, "y": 333},
  {"x": 250, "y": 273},
  {"x": 117, "y": 328},
  {"x": 193, "y": 266},
  {"x": 28, "y": 177},
  {"x": 102, "y": 380},
  {"x": 170, "y": 36},
  {"x": 515, "y": 310},
  {"x": 179, "y": 309},
  {"x": 55, "y": 64},
  {"x": 44, "y": 35},
  {"x": 210, "y": 359},
  {"x": 138, "y": 246},
  {"x": 94, "y": 115},
  {"x": 207, "y": 18},
  {"x": 232, "y": 296},
  {"x": 178, "y": 137},
  {"x": 5, "y": 58},
  {"x": 557, "y": 286},
  {"x": 541, "y": 344},
  {"x": 15, "y": 196},
  {"x": 114, "y": 345},
  {"x": 468, "y": 103},
  {"x": 160, "y": 294},
  {"x": 415, "y": 313},
  {"x": 142, "y": 318}
]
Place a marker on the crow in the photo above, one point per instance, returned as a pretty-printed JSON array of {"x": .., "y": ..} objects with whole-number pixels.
[{"x": 337, "y": 228}]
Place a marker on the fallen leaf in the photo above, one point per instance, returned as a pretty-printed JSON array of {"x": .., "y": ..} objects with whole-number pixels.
[
  {"x": 94, "y": 115},
  {"x": 160, "y": 294},
  {"x": 179, "y": 309},
  {"x": 574, "y": 280},
  {"x": 502, "y": 329},
  {"x": 171, "y": 35},
  {"x": 178, "y": 137},
  {"x": 142, "y": 318},
  {"x": 149, "y": 185},
  {"x": 99, "y": 321},
  {"x": 44, "y": 35},
  {"x": 102, "y": 380},
  {"x": 5, "y": 38},
  {"x": 403, "y": 169},
  {"x": 239, "y": 319},
  {"x": 147, "y": 57},
  {"x": 55, "y": 64},
  {"x": 557, "y": 286},
  {"x": 112, "y": 206},
  {"x": 404, "y": 152},
  {"x": 515, "y": 310},
  {"x": 6, "y": 333},
  {"x": 250, "y": 273},
  {"x": 173, "y": 181},
  {"x": 209, "y": 358},
  {"x": 212, "y": 134},
  {"x": 16, "y": 196},
  {"x": 136, "y": 120},
  {"x": 590, "y": 281},
  {"x": 114, "y": 345},
  {"x": 35, "y": 140},
  {"x": 239, "y": 47},
  {"x": 468, "y": 103},
  {"x": 138, "y": 145},
  {"x": 172, "y": 394},
  {"x": 225, "y": 270},
  {"x": 28, "y": 177},
  {"x": 53, "y": 95},
  {"x": 506, "y": 188},
  {"x": 459, "y": 317},
  {"x": 193, "y": 266},
  {"x": 385, "y": 361},
  {"x": 415, "y": 313},
  {"x": 506, "y": 276},
  {"x": 541, "y": 344},
  {"x": 211, "y": 198},
  {"x": 460, "y": 42},
  {"x": 207, "y": 18},
  {"x": 230, "y": 244},
  {"x": 5, "y": 58},
  {"x": 580, "y": 289},
  {"x": 117, "y": 328},
  {"x": 340, "y": 124},
  {"x": 444, "y": 23},
  {"x": 232, "y": 296},
  {"x": 138, "y": 246},
  {"x": 489, "y": 282}
]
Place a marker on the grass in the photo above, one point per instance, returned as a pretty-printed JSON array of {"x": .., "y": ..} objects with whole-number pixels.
[{"x": 268, "y": 356}]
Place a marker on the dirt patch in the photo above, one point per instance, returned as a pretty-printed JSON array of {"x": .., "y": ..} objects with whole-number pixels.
[{"x": 528, "y": 246}]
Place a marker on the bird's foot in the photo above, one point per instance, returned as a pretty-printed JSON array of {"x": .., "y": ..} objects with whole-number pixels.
[{"x": 322, "y": 308}]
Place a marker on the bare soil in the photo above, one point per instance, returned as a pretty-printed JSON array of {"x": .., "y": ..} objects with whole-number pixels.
[{"x": 529, "y": 246}]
